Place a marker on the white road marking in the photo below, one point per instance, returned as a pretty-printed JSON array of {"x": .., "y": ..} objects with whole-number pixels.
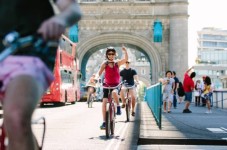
[
  {"x": 121, "y": 137},
  {"x": 113, "y": 139},
  {"x": 216, "y": 130},
  {"x": 223, "y": 128}
]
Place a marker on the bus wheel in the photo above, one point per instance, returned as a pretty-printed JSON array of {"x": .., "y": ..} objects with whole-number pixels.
[
  {"x": 65, "y": 97},
  {"x": 41, "y": 105},
  {"x": 75, "y": 98},
  {"x": 59, "y": 104}
]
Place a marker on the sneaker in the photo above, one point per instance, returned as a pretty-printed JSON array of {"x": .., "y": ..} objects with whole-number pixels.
[
  {"x": 187, "y": 111},
  {"x": 208, "y": 112},
  {"x": 103, "y": 126},
  {"x": 133, "y": 113},
  {"x": 118, "y": 110},
  {"x": 123, "y": 106}
]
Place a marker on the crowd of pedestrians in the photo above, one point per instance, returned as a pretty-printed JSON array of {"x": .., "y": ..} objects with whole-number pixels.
[{"x": 175, "y": 91}]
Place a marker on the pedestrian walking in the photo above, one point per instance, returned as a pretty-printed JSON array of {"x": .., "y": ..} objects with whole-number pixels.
[
  {"x": 176, "y": 83},
  {"x": 168, "y": 83}
]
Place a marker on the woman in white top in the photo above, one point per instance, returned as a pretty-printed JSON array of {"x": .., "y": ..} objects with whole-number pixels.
[{"x": 197, "y": 92}]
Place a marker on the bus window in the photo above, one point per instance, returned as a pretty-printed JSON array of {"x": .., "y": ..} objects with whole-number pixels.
[
  {"x": 62, "y": 43},
  {"x": 65, "y": 45},
  {"x": 66, "y": 77}
]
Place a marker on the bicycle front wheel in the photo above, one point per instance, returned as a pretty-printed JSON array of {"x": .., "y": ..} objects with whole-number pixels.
[
  {"x": 112, "y": 120},
  {"x": 89, "y": 101},
  {"x": 107, "y": 124},
  {"x": 127, "y": 109}
]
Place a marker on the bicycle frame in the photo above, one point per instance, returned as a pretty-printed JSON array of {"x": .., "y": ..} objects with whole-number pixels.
[{"x": 110, "y": 112}]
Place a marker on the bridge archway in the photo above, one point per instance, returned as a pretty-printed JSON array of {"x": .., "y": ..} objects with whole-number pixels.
[{"x": 88, "y": 46}]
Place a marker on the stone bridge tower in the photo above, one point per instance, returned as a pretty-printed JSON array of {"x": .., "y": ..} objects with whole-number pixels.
[{"x": 108, "y": 22}]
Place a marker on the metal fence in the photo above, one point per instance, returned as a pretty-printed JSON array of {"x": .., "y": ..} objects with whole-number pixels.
[
  {"x": 219, "y": 99},
  {"x": 154, "y": 100}
]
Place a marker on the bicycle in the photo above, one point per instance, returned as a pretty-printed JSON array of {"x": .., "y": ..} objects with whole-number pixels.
[
  {"x": 128, "y": 102},
  {"x": 4, "y": 140},
  {"x": 90, "y": 99},
  {"x": 91, "y": 89},
  {"x": 110, "y": 111},
  {"x": 14, "y": 43}
]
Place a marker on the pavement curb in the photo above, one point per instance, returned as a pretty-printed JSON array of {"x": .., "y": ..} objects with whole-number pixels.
[
  {"x": 151, "y": 135},
  {"x": 146, "y": 141}
]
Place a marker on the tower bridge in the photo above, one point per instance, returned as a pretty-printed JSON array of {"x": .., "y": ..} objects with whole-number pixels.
[{"x": 131, "y": 22}]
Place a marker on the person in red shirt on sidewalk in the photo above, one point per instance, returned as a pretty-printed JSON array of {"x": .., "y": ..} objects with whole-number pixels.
[{"x": 188, "y": 86}]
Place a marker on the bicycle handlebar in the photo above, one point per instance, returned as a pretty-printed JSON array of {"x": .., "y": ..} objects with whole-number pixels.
[
  {"x": 14, "y": 42},
  {"x": 109, "y": 87},
  {"x": 129, "y": 87}
]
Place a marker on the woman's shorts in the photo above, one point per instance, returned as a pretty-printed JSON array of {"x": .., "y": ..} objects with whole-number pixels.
[
  {"x": 168, "y": 97},
  {"x": 14, "y": 66},
  {"x": 106, "y": 92}
]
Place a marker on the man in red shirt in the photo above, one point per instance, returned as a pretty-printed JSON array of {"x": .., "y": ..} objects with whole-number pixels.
[{"x": 188, "y": 86}]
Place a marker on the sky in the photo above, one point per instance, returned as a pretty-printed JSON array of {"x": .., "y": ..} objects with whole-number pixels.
[{"x": 204, "y": 13}]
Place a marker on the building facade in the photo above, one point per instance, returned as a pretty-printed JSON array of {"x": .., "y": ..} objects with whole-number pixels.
[
  {"x": 131, "y": 22},
  {"x": 212, "y": 55}
]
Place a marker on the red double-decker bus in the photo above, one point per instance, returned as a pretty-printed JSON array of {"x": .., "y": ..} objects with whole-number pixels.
[{"x": 65, "y": 87}]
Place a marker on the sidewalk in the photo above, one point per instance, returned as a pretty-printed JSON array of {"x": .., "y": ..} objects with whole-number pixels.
[{"x": 196, "y": 128}]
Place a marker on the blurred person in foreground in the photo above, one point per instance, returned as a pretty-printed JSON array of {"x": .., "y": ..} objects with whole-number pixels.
[{"x": 26, "y": 75}]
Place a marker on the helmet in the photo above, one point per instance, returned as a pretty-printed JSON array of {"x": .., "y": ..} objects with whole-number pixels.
[{"x": 110, "y": 49}]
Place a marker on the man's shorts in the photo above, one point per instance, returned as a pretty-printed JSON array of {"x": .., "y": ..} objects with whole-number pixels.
[
  {"x": 91, "y": 88},
  {"x": 188, "y": 96},
  {"x": 14, "y": 66},
  {"x": 167, "y": 97}
]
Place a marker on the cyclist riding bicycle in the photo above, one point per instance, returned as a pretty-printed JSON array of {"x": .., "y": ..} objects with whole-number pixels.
[
  {"x": 111, "y": 78},
  {"x": 129, "y": 75},
  {"x": 25, "y": 76},
  {"x": 91, "y": 86}
]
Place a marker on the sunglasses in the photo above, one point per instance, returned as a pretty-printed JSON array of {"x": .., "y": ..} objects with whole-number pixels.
[
  {"x": 127, "y": 62},
  {"x": 110, "y": 54}
]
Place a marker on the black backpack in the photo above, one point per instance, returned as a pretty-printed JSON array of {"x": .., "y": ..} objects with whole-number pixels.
[{"x": 180, "y": 90}]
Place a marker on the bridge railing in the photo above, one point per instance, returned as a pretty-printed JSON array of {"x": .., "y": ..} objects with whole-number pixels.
[
  {"x": 154, "y": 100},
  {"x": 219, "y": 99}
]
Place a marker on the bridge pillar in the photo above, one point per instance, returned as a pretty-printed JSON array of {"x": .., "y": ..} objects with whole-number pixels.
[{"x": 178, "y": 46}]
